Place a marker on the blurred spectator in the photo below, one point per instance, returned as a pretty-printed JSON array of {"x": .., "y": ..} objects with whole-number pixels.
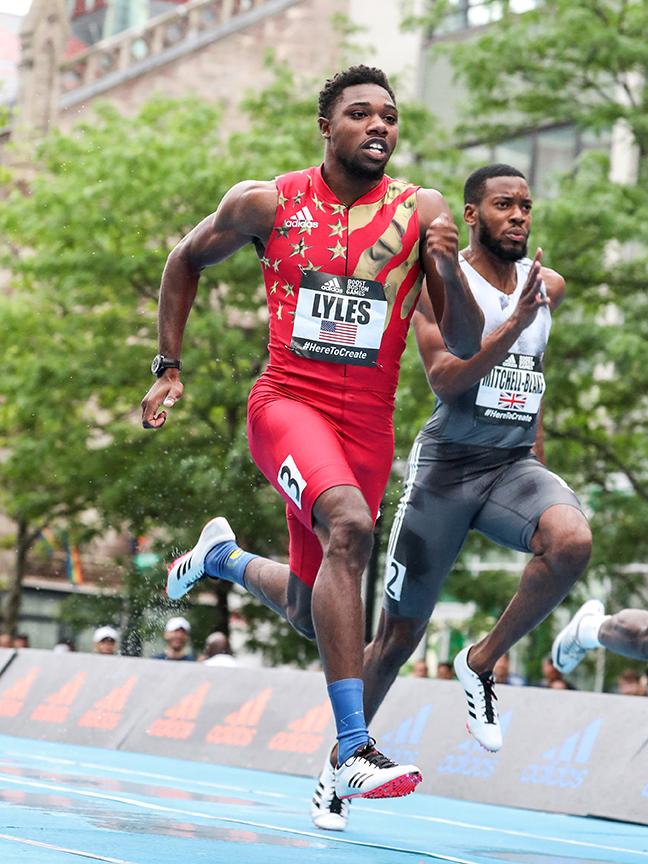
[
  {"x": 21, "y": 640},
  {"x": 63, "y": 646},
  {"x": 6, "y": 640},
  {"x": 105, "y": 640},
  {"x": 176, "y": 635},
  {"x": 218, "y": 651},
  {"x": 445, "y": 671},
  {"x": 503, "y": 675},
  {"x": 629, "y": 683},
  {"x": 420, "y": 669},
  {"x": 551, "y": 677}
]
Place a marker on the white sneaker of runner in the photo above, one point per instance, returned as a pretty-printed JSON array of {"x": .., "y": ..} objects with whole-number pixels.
[
  {"x": 369, "y": 774},
  {"x": 566, "y": 651},
  {"x": 483, "y": 722},
  {"x": 327, "y": 810},
  {"x": 190, "y": 567}
]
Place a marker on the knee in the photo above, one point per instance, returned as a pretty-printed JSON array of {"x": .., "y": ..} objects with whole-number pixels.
[
  {"x": 570, "y": 545},
  {"x": 351, "y": 537}
]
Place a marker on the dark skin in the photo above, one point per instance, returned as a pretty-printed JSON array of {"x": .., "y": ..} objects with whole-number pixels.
[
  {"x": 360, "y": 136},
  {"x": 561, "y": 544}
]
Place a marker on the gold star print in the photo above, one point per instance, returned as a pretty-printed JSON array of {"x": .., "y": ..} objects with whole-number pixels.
[
  {"x": 275, "y": 264},
  {"x": 337, "y": 251},
  {"x": 290, "y": 292},
  {"x": 281, "y": 200},
  {"x": 337, "y": 229},
  {"x": 282, "y": 230},
  {"x": 279, "y": 312},
  {"x": 305, "y": 229},
  {"x": 297, "y": 199},
  {"x": 299, "y": 248},
  {"x": 308, "y": 266},
  {"x": 273, "y": 287},
  {"x": 265, "y": 262},
  {"x": 318, "y": 204},
  {"x": 338, "y": 209}
]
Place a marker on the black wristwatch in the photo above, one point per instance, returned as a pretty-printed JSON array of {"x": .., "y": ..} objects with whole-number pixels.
[{"x": 161, "y": 363}]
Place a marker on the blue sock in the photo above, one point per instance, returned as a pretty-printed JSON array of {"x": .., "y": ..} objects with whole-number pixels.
[
  {"x": 228, "y": 561},
  {"x": 346, "y": 699}
]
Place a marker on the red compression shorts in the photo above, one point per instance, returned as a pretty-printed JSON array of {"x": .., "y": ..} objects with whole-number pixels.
[{"x": 304, "y": 447}]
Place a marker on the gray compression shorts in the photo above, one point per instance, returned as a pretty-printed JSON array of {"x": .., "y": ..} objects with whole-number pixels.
[{"x": 449, "y": 490}]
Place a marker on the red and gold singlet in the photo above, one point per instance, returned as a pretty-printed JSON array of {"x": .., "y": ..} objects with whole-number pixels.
[{"x": 341, "y": 282}]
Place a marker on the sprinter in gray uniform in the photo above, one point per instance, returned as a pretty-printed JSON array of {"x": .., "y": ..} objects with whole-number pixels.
[{"x": 473, "y": 466}]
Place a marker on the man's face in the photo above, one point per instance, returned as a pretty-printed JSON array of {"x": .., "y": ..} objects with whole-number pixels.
[
  {"x": 106, "y": 646},
  {"x": 502, "y": 220},
  {"x": 176, "y": 639},
  {"x": 362, "y": 131}
]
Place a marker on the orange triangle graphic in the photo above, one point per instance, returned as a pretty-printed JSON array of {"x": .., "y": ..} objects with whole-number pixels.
[
  {"x": 251, "y": 711},
  {"x": 188, "y": 707},
  {"x": 67, "y": 694},
  {"x": 20, "y": 689},
  {"x": 117, "y": 698},
  {"x": 315, "y": 720}
]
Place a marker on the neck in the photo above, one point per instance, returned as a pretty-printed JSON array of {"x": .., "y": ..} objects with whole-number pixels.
[
  {"x": 500, "y": 273},
  {"x": 346, "y": 187}
]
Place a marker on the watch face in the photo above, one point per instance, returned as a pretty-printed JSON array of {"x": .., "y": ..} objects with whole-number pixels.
[{"x": 155, "y": 365}]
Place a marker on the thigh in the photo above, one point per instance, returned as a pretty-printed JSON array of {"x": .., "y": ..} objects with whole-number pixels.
[
  {"x": 522, "y": 493},
  {"x": 429, "y": 529},
  {"x": 299, "y": 451}
]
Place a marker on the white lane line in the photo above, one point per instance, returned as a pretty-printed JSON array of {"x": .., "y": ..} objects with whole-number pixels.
[
  {"x": 53, "y": 847},
  {"x": 180, "y": 813},
  {"x": 509, "y": 832}
]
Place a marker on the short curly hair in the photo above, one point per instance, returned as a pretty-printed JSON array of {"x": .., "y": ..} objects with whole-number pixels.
[
  {"x": 475, "y": 185},
  {"x": 361, "y": 74}
]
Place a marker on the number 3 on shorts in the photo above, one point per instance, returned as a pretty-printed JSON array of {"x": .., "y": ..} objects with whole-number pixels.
[{"x": 291, "y": 481}]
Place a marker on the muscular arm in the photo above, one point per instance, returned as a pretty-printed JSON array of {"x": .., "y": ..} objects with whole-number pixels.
[
  {"x": 450, "y": 376},
  {"x": 459, "y": 318},
  {"x": 245, "y": 215}
]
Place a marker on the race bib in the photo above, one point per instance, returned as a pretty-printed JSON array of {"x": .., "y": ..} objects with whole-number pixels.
[
  {"x": 511, "y": 393},
  {"x": 339, "y": 319}
]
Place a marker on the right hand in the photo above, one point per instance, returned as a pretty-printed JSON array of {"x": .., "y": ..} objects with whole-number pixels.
[
  {"x": 164, "y": 392},
  {"x": 442, "y": 244},
  {"x": 533, "y": 296}
]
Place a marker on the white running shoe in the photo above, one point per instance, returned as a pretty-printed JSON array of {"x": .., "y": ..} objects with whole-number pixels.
[
  {"x": 327, "y": 810},
  {"x": 190, "y": 567},
  {"x": 566, "y": 651},
  {"x": 483, "y": 722},
  {"x": 367, "y": 773}
]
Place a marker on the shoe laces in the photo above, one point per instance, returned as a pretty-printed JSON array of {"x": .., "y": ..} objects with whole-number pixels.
[
  {"x": 375, "y": 757},
  {"x": 488, "y": 683}
]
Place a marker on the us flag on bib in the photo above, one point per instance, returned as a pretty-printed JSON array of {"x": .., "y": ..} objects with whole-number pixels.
[{"x": 342, "y": 334}]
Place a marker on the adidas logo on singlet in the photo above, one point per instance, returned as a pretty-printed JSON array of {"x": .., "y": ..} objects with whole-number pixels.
[
  {"x": 301, "y": 219},
  {"x": 510, "y": 361}
]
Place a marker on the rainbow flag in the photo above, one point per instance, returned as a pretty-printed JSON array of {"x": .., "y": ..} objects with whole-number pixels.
[{"x": 74, "y": 569}]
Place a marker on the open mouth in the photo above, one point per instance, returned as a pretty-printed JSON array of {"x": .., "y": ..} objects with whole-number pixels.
[{"x": 376, "y": 146}]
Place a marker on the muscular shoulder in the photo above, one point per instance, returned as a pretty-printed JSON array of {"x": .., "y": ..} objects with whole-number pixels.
[
  {"x": 555, "y": 285},
  {"x": 430, "y": 204},
  {"x": 250, "y": 206}
]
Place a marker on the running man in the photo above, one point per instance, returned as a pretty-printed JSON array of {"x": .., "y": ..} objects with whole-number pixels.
[
  {"x": 472, "y": 468},
  {"x": 342, "y": 248},
  {"x": 624, "y": 633}
]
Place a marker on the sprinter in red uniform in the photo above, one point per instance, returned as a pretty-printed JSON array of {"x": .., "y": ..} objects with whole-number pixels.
[{"x": 343, "y": 249}]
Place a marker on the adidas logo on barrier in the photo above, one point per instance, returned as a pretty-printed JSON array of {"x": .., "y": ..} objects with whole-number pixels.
[
  {"x": 469, "y": 759},
  {"x": 301, "y": 219},
  {"x": 564, "y": 765},
  {"x": 402, "y": 743}
]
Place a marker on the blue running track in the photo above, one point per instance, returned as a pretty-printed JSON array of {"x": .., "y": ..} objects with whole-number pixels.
[{"x": 63, "y": 804}]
